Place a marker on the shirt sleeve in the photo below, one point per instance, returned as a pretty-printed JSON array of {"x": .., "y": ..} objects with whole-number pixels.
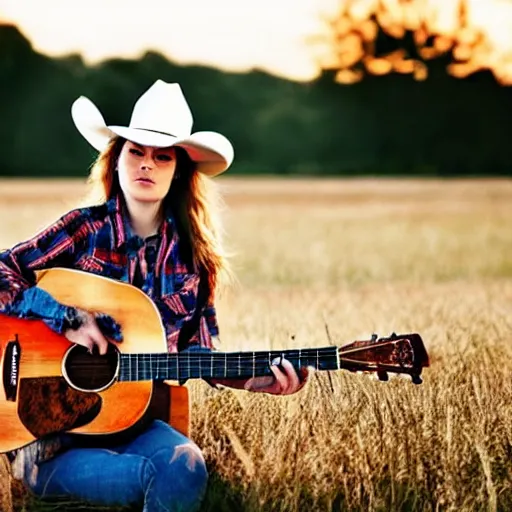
[
  {"x": 55, "y": 246},
  {"x": 178, "y": 308},
  {"x": 210, "y": 316}
]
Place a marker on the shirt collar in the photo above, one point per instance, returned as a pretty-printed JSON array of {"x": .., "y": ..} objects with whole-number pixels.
[{"x": 122, "y": 231}]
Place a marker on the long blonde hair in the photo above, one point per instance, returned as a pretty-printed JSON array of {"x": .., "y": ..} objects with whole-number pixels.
[{"x": 193, "y": 198}]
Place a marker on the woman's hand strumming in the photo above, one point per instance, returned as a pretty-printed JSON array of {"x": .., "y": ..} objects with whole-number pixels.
[{"x": 89, "y": 334}]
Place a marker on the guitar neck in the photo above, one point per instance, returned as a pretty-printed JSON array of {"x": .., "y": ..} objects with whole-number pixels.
[{"x": 220, "y": 365}]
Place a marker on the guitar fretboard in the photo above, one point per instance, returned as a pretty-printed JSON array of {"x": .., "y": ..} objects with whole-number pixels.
[{"x": 229, "y": 365}]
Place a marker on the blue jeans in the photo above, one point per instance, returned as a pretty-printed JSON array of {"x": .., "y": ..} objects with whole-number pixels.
[{"x": 161, "y": 470}]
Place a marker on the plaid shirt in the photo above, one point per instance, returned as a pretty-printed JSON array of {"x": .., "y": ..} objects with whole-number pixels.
[{"x": 99, "y": 240}]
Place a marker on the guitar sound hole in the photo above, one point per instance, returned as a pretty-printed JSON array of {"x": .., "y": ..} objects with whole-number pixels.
[{"x": 91, "y": 372}]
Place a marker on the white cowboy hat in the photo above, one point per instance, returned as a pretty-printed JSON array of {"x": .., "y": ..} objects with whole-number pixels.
[{"x": 160, "y": 118}]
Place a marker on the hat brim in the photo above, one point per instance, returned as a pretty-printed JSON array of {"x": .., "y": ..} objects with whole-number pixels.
[{"x": 212, "y": 152}]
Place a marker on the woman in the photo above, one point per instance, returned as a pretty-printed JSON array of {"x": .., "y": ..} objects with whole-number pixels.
[{"x": 154, "y": 229}]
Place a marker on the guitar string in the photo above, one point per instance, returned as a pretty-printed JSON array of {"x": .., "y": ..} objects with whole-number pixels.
[
  {"x": 247, "y": 364},
  {"x": 129, "y": 361},
  {"x": 155, "y": 359},
  {"x": 199, "y": 359},
  {"x": 248, "y": 361}
]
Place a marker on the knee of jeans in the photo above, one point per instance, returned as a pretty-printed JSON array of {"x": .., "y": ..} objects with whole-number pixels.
[{"x": 188, "y": 462}]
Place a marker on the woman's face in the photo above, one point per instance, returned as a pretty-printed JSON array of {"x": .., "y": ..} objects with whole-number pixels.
[{"x": 145, "y": 172}]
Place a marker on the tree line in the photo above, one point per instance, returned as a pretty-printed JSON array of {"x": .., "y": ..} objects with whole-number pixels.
[{"x": 382, "y": 125}]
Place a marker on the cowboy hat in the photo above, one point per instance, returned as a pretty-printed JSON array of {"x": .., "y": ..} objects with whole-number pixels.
[{"x": 161, "y": 118}]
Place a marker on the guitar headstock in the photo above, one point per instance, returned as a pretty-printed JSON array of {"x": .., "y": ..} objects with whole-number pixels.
[{"x": 399, "y": 353}]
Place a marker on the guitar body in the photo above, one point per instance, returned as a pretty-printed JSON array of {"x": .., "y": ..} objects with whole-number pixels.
[{"x": 36, "y": 399}]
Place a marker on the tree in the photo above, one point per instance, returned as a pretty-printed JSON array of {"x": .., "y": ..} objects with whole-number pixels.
[{"x": 379, "y": 37}]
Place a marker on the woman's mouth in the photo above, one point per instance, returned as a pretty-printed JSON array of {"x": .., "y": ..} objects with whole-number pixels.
[{"x": 146, "y": 181}]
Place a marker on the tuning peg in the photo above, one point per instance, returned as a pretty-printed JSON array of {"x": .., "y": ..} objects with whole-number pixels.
[
  {"x": 382, "y": 375},
  {"x": 416, "y": 379},
  {"x": 375, "y": 337}
]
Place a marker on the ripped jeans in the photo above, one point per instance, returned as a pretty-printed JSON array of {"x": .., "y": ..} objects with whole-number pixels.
[{"x": 161, "y": 470}]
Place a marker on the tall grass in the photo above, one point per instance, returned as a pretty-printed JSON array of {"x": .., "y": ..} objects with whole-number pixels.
[{"x": 328, "y": 261}]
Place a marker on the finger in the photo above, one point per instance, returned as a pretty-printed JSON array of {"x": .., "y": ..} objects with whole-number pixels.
[
  {"x": 99, "y": 340},
  {"x": 291, "y": 374},
  {"x": 80, "y": 338},
  {"x": 259, "y": 383},
  {"x": 281, "y": 378},
  {"x": 303, "y": 376},
  {"x": 87, "y": 342},
  {"x": 102, "y": 345}
]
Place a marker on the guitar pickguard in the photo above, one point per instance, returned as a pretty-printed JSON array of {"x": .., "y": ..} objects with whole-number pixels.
[{"x": 47, "y": 405}]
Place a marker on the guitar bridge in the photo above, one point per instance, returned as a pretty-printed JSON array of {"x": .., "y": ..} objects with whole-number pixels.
[{"x": 11, "y": 369}]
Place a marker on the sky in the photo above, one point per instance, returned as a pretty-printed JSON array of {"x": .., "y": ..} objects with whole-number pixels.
[
  {"x": 238, "y": 35},
  {"x": 231, "y": 34}
]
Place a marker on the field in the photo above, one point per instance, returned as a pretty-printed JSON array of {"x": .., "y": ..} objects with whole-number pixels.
[{"x": 324, "y": 262}]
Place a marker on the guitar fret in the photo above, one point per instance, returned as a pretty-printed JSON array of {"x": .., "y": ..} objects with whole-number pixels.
[
  {"x": 172, "y": 371},
  {"x": 162, "y": 366}
]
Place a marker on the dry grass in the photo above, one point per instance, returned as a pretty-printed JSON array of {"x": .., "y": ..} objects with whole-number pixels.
[{"x": 361, "y": 256}]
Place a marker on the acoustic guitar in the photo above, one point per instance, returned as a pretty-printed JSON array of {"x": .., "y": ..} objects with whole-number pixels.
[{"x": 50, "y": 385}]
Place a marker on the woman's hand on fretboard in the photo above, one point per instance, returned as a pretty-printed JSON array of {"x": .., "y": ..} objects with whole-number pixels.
[{"x": 285, "y": 380}]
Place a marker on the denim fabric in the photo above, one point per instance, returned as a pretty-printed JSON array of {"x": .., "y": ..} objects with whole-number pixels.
[
  {"x": 36, "y": 303},
  {"x": 160, "y": 470}
]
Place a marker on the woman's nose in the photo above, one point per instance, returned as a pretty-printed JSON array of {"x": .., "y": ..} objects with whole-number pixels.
[{"x": 147, "y": 163}]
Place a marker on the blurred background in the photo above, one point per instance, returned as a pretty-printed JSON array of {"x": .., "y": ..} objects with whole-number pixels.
[
  {"x": 366, "y": 89},
  {"x": 309, "y": 87}
]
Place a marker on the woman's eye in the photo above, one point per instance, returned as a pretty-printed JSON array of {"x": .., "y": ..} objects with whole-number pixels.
[
  {"x": 164, "y": 158},
  {"x": 137, "y": 152}
]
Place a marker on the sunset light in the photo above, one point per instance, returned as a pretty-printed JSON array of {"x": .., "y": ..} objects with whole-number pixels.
[
  {"x": 285, "y": 197},
  {"x": 229, "y": 34},
  {"x": 275, "y": 35},
  {"x": 477, "y": 32}
]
